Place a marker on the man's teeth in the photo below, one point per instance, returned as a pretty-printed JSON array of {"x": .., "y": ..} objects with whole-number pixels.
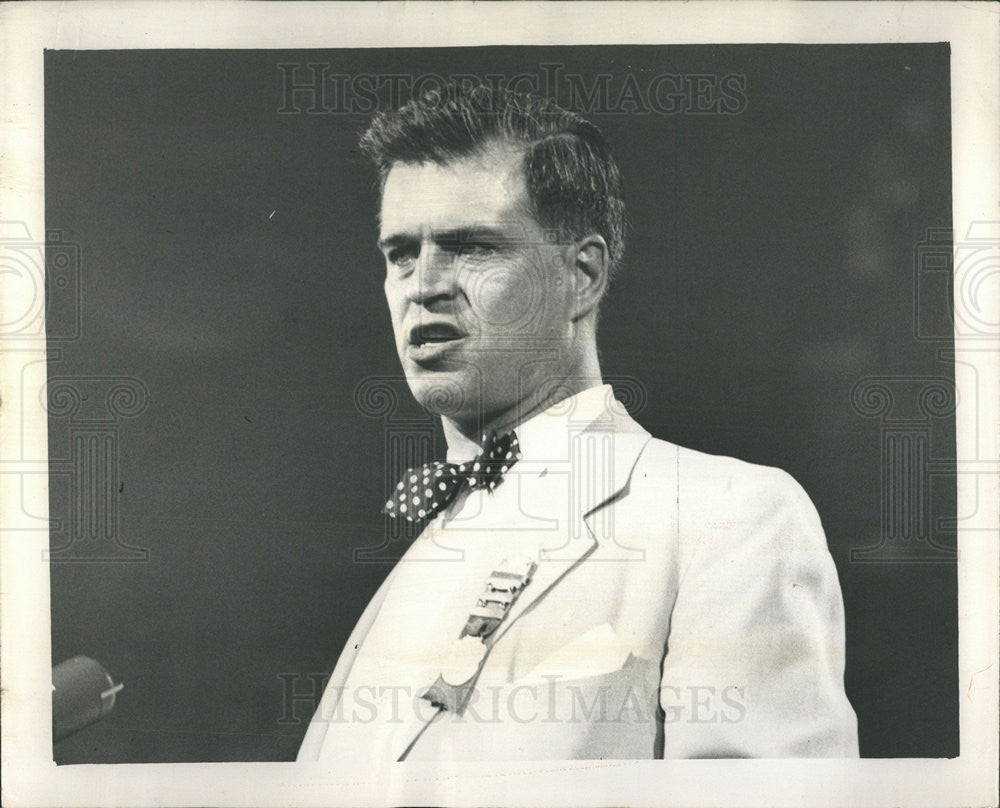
[{"x": 437, "y": 336}]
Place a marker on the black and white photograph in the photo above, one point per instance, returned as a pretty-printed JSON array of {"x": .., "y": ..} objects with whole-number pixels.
[{"x": 403, "y": 406}]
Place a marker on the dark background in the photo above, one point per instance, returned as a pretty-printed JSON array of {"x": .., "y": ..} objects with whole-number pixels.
[{"x": 227, "y": 266}]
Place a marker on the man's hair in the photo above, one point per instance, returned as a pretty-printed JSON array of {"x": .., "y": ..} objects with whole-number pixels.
[{"x": 574, "y": 185}]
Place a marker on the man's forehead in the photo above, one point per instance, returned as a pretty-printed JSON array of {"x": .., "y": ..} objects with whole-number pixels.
[{"x": 485, "y": 189}]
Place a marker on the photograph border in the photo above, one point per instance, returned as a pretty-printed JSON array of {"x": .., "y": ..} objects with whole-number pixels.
[{"x": 30, "y": 776}]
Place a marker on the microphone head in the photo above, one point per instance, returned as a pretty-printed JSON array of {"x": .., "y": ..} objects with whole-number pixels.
[{"x": 82, "y": 693}]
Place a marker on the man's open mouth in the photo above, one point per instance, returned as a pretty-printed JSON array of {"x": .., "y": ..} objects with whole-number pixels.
[{"x": 434, "y": 333}]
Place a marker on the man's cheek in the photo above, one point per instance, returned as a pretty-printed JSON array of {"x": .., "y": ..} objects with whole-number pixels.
[
  {"x": 397, "y": 311},
  {"x": 508, "y": 300}
]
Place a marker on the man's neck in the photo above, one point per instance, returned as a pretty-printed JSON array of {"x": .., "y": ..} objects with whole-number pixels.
[{"x": 470, "y": 433}]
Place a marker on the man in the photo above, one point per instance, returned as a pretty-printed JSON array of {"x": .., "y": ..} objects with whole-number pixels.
[{"x": 579, "y": 589}]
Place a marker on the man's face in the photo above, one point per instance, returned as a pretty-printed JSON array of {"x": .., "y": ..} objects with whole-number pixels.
[{"x": 479, "y": 298}]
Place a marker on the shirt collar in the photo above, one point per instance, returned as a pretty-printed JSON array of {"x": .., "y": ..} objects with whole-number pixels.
[{"x": 546, "y": 436}]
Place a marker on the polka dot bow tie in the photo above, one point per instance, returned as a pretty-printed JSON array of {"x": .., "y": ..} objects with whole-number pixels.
[{"x": 426, "y": 491}]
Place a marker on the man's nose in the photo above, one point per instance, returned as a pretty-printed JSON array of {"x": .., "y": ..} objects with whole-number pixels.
[{"x": 433, "y": 276}]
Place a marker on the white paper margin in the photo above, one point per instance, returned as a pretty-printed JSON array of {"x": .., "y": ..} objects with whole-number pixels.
[{"x": 30, "y": 778}]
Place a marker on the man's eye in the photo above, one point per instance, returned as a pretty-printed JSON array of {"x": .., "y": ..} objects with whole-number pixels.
[
  {"x": 480, "y": 249},
  {"x": 402, "y": 256}
]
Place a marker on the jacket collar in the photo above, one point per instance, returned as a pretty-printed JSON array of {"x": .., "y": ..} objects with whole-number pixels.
[
  {"x": 544, "y": 436},
  {"x": 587, "y": 441}
]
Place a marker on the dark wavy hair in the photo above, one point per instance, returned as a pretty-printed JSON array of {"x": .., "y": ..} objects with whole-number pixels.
[{"x": 574, "y": 184}]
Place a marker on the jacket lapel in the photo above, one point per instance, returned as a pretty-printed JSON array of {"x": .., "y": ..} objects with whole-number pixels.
[{"x": 570, "y": 499}]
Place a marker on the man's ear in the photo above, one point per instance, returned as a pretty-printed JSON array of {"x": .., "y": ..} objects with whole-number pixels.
[{"x": 591, "y": 263}]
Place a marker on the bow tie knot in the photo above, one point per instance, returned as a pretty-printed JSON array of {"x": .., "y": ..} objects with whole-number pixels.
[{"x": 427, "y": 490}]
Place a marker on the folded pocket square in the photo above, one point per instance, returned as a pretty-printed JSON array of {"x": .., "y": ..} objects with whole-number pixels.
[{"x": 596, "y": 652}]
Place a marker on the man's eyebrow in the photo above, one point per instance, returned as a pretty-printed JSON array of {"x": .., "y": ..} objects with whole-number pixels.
[
  {"x": 472, "y": 234},
  {"x": 396, "y": 239},
  {"x": 457, "y": 235}
]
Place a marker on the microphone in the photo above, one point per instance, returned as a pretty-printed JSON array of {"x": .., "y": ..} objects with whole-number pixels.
[{"x": 82, "y": 693}]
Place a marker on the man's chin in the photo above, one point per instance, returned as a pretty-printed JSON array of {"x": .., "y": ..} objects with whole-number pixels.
[{"x": 449, "y": 394}]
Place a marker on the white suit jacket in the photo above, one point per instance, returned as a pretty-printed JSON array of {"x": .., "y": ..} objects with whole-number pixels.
[{"x": 683, "y": 606}]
